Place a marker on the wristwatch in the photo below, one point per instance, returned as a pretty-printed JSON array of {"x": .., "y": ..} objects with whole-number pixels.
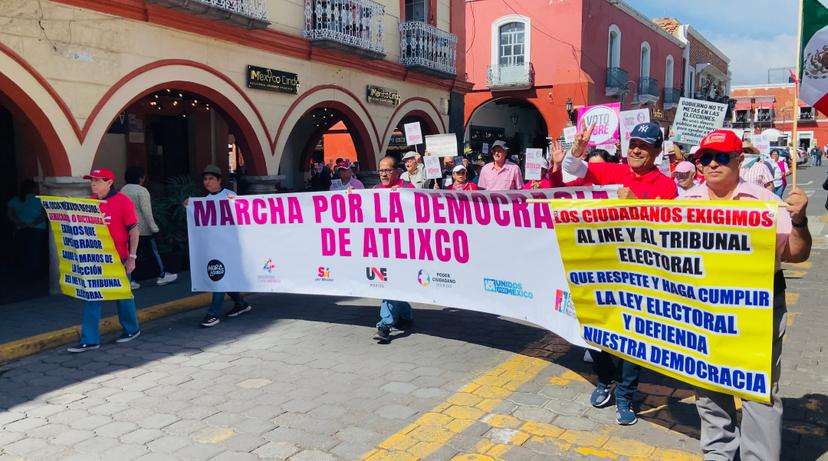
[
  {"x": 133, "y": 256},
  {"x": 804, "y": 223}
]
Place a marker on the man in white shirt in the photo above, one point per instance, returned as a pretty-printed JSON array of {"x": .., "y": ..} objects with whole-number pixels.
[
  {"x": 346, "y": 179},
  {"x": 414, "y": 170}
]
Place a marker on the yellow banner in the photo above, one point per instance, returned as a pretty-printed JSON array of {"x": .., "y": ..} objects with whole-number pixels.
[
  {"x": 681, "y": 287},
  {"x": 90, "y": 268}
]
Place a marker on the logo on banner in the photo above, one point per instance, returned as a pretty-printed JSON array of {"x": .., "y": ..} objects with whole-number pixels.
[
  {"x": 268, "y": 265},
  {"x": 323, "y": 274},
  {"x": 505, "y": 287},
  {"x": 377, "y": 275},
  {"x": 215, "y": 270},
  {"x": 563, "y": 303},
  {"x": 423, "y": 278}
]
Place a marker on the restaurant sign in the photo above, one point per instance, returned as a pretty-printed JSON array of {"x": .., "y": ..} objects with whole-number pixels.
[
  {"x": 383, "y": 96},
  {"x": 273, "y": 80}
]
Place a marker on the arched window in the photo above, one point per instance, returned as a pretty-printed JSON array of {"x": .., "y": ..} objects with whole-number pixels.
[
  {"x": 668, "y": 72},
  {"x": 614, "y": 47},
  {"x": 511, "y": 41},
  {"x": 644, "y": 70}
]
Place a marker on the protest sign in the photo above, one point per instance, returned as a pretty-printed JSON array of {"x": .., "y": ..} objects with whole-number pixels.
[
  {"x": 534, "y": 159},
  {"x": 695, "y": 119},
  {"x": 682, "y": 287},
  {"x": 413, "y": 133},
  {"x": 569, "y": 133},
  {"x": 432, "y": 166},
  {"x": 90, "y": 268},
  {"x": 410, "y": 244},
  {"x": 442, "y": 145},
  {"x": 762, "y": 142},
  {"x": 629, "y": 119},
  {"x": 485, "y": 148},
  {"x": 606, "y": 119}
]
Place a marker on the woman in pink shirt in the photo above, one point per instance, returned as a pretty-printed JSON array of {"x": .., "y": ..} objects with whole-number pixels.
[{"x": 459, "y": 180}]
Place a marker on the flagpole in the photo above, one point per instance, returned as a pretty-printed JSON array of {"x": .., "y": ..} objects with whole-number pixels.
[{"x": 794, "y": 133}]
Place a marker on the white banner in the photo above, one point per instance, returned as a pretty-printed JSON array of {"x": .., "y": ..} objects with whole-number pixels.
[
  {"x": 483, "y": 251},
  {"x": 629, "y": 119},
  {"x": 695, "y": 119}
]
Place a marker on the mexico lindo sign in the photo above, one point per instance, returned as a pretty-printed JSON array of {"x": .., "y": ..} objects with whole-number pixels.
[
  {"x": 382, "y": 96},
  {"x": 272, "y": 80}
]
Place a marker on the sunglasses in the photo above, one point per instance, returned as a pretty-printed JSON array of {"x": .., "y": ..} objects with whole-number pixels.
[{"x": 722, "y": 158}]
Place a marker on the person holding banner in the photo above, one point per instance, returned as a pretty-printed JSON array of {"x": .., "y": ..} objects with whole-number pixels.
[
  {"x": 640, "y": 179},
  {"x": 460, "y": 181},
  {"x": 760, "y": 435},
  {"x": 393, "y": 314},
  {"x": 122, "y": 223},
  {"x": 211, "y": 180},
  {"x": 500, "y": 174},
  {"x": 414, "y": 170}
]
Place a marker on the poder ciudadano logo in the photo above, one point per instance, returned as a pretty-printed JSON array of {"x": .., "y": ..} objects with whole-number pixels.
[{"x": 439, "y": 279}]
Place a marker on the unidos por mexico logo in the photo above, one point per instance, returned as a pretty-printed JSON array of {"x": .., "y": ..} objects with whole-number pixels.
[
  {"x": 505, "y": 287},
  {"x": 215, "y": 270}
]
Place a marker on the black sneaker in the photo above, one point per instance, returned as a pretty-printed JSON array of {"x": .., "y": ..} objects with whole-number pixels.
[
  {"x": 404, "y": 324},
  {"x": 83, "y": 348},
  {"x": 383, "y": 335},
  {"x": 239, "y": 310},
  {"x": 209, "y": 320},
  {"x": 125, "y": 338}
]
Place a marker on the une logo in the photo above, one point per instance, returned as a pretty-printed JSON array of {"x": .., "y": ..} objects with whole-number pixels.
[
  {"x": 323, "y": 272},
  {"x": 376, "y": 273}
]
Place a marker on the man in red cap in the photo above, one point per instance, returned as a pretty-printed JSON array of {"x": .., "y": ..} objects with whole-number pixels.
[
  {"x": 123, "y": 227},
  {"x": 760, "y": 435},
  {"x": 346, "y": 181}
]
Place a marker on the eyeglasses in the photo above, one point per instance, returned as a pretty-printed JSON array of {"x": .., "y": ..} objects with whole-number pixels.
[
  {"x": 463, "y": 172},
  {"x": 387, "y": 170},
  {"x": 722, "y": 158},
  {"x": 682, "y": 175}
]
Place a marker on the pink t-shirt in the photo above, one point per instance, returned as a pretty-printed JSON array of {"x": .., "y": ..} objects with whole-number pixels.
[
  {"x": 747, "y": 191},
  {"x": 120, "y": 218},
  {"x": 506, "y": 178}
]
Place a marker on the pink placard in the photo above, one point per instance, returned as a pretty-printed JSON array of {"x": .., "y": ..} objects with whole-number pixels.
[{"x": 606, "y": 117}]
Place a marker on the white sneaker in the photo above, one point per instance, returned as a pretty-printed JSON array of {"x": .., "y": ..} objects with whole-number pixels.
[
  {"x": 167, "y": 278},
  {"x": 134, "y": 285}
]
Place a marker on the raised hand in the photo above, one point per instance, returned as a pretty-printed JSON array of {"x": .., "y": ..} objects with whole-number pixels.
[
  {"x": 579, "y": 147},
  {"x": 558, "y": 152}
]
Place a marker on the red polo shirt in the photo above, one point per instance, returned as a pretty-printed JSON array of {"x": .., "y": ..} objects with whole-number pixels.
[
  {"x": 651, "y": 185},
  {"x": 120, "y": 218}
]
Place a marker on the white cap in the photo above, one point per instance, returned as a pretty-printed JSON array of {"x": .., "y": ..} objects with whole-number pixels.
[
  {"x": 458, "y": 168},
  {"x": 693, "y": 150},
  {"x": 409, "y": 154},
  {"x": 500, "y": 143}
]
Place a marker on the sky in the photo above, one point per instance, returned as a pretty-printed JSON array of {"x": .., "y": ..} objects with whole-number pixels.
[{"x": 755, "y": 34}]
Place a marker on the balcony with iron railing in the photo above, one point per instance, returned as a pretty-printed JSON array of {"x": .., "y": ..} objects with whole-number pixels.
[
  {"x": 428, "y": 49},
  {"x": 247, "y": 13},
  {"x": 350, "y": 25},
  {"x": 806, "y": 115},
  {"x": 617, "y": 79},
  {"x": 511, "y": 76},
  {"x": 648, "y": 90},
  {"x": 671, "y": 97}
]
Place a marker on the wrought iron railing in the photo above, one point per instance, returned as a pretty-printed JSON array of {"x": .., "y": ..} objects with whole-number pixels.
[
  {"x": 511, "y": 76},
  {"x": 351, "y": 23},
  {"x": 617, "y": 79},
  {"x": 428, "y": 48},
  {"x": 672, "y": 95},
  {"x": 648, "y": 86},
  {"x": 249, "y": 12}
]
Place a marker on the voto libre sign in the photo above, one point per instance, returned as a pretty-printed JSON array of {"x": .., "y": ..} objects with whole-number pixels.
[{"x": 262, "y": 78}]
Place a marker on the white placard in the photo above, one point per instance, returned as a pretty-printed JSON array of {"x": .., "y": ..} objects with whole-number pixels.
[
  {"x": 629, "y": 119},
  {"x": 534, "y": 160},
  {"x": 442, "y": 145},
  {"x": 695, "y": 119},
  {"x": 432, "y": 166},
  {"x": 569, "y": 133},
  {"x": 404, "y": 244},
  {"x": 485, "y": 148},
  {"x": 667, "y": 147},
  {"x": 413, "y": 133}
]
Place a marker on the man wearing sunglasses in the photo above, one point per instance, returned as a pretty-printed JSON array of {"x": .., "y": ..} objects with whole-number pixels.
[
  {"x": 760, "y": 434},
  {"x": 640, "y": 179}
]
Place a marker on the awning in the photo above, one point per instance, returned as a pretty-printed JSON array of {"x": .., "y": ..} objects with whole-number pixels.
[
  {"x": 743, "y": 105},
  {"x": 764, "y": 104}
]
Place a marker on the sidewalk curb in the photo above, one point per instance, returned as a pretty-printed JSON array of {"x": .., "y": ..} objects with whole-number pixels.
[{"x": 14, "y": 350}]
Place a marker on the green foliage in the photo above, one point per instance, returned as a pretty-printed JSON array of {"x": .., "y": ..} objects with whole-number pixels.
[{"x": 170, "y": 214}]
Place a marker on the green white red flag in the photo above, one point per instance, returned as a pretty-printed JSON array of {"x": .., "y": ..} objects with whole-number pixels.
[{"x": 813, "y": 55}]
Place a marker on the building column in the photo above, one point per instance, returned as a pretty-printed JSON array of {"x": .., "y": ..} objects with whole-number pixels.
[
  {"x": 60, "y": 186},
  {"x": 263, "y": 184}
]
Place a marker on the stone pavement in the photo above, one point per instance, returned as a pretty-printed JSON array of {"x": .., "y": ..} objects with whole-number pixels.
[{"x": 299, "y": 378}]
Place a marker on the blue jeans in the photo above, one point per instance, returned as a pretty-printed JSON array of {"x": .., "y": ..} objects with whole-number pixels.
[
  {"x": 218, "y": 300},
  {"x": 392, "y": 312},
  {"x": 610, "y": 368},
  {"x": 779, "y": 191},
  {"x": 91, "y": 326}
]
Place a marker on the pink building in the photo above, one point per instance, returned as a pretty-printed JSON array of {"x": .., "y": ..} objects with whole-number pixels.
[{"x": 533, "y": 62}]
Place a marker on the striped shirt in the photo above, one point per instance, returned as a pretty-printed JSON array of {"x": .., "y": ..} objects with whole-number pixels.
[{"x": 758, "y": 174}]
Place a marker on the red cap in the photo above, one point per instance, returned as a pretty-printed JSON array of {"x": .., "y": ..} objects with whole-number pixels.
[
  {"x": 720, "y": 141},
  {"x": 101, "y": 173},
  {"x": 341, "y": 166}
]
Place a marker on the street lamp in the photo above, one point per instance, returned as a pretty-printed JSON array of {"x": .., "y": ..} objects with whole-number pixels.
[{"x": 570, "y": 112}]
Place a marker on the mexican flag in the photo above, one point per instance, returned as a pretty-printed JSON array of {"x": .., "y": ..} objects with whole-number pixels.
[{"x": 813, "y": 56}]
